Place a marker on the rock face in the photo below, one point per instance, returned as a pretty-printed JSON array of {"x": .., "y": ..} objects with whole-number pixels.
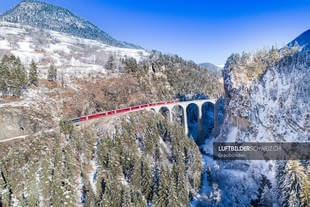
[
  {"x": 47, "y": 16},
  {"x": 19, "y": 121},
  {"x": 13, "y": 123},
  {"x": 267, "y": 99},
  {"x": 275, "y": 105}
]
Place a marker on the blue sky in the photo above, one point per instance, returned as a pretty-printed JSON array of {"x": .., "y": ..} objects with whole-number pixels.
[{"x": 199, "y": 30}]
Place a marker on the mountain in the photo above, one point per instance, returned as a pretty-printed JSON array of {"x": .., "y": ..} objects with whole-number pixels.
[
  {"x": 303, "y": 39},
  {"x": 47, "y": 16},
  {"x": 213, "y": 69},
  {"x": 77, "y": 56},
  {"x": 210, "y": 66}
]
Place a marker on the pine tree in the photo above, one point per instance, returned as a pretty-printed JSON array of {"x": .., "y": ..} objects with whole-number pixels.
[
  {"x": 19, "y": 78},
  {"x": 13, "y": 76},
  {"x": 280, "y": 176},
  {"x": 125, "y": 197},
  {"x": 32, "y": 186},
  {"x": 45, "y": 175},
  {"x": 305, "y": 189},
  {"x": 274, "y": 56},
  {"x": 112, "y": 196},
  {"x": 162, "y": 198},
  {"x": 110, "y": 64},
  {"x": 66, "y": 127},
  {"x": 115, "y": 154},
  {"x": 33, "y": 74},
  {"x": 173, "y": 199},
  {"x": 266, "y": 196},
  {"x": 293, "y": 201},
  {"x": 146, "y": 181},
  {"x": 130, "y": 65},
  {"x": 138, "y": 200},
  {"x": 5, "y": 186},
  {"x": 52, "y": 73},
  {"x": 57, "y": 190},
  {"x": 4, "y": 75},
  {"x": 115, "y": 193},
  {"x": 22, "y": 75},
  {"x": 137, "y": 174},
  {"x": 244, "y": 58},
  {"x": 182, "y": 188},
  {"x": 292, "y": 183},
  {"x": 149, "y": 143}
]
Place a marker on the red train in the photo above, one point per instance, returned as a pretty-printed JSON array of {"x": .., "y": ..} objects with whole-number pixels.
[{"x": 109, "y": 113}]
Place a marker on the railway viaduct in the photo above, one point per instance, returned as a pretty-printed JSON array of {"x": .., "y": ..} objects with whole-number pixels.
[{"x": 169, "y": 108}]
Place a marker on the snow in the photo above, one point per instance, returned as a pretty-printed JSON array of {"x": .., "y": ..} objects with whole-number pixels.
[
  {"x": 162, "y": 143},
  {"x": 13, "y": 138},
  {"x": 233, "y": 132},
  {"x": 92, "y": 175},
  {"x": 5, "y": 44},
  {"x": 25, "y": 45},
  {"x": 6, "y": 29},
  {"x": 70, "y": 54},
  {"x": 123, "y": 181},
  {"x": 15, "y": 201},
  {"x": 26, "y": 57},
  {"x": 79, "y": 183},
  {"x": 59, "y": 46},
  {"x": 231, "y": 180},
  {"x": 31, "y": 97}
]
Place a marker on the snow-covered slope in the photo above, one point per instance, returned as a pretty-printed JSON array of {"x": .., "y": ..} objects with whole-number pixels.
[
  {"x": 78, "y": 61},
  {"x": 47, "y": 16},
  {"x": 73, "y": 56},
  {"x": 211, "y": 66},
  {"x": 213, "y": 69},
  {"x": 303, "y": 39}
]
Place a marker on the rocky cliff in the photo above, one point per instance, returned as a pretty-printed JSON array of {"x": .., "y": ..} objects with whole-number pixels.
[
  {"x": 266, "y": 100},
  {"x": 267, "y": 96}
]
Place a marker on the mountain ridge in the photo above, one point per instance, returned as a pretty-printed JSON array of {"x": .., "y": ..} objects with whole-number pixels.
[
  {"x": 213, "y": 69},
  {"x": 48, "y": 16},
  {"x": 303, "y": 39},
  {"x": 210, "y": 66}
]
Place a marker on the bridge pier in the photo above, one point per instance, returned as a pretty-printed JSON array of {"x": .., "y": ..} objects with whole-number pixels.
[
  {"x": 185, "y": 122},
  {"x": 170, "y": 108},
  {"x": 184, "y": 106},
  {"x": 216, "y": 127},
  {"x": 199, "y": 127}
]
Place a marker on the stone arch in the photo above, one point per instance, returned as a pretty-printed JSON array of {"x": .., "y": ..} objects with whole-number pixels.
[
  {"x": 206, "y": 124},
  {"x": 218, "y": 115},
  {"x": 164, "y": 110},
  {"x": 178, "y": 114},
  {"x": 207, "y": 110},
  {"x": 192, "y": 114}
]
